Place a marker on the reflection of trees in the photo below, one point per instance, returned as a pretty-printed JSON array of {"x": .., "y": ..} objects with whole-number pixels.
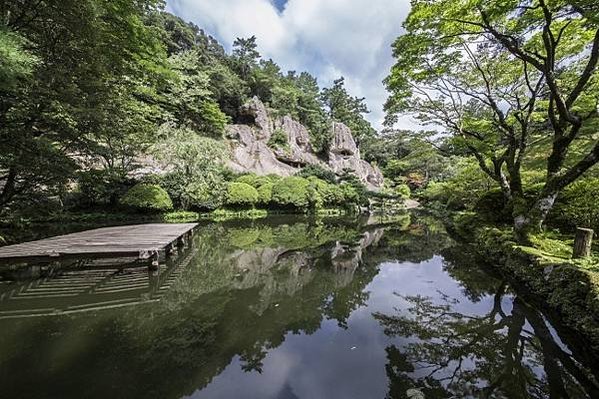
[
  {"x": 495, "y": 354},
  {"x": 417, "y": 242},
  {"x": 245, "y": 290}
]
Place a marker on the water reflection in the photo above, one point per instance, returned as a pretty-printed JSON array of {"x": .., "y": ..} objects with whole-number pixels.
[{"x": 288, "y": 308}]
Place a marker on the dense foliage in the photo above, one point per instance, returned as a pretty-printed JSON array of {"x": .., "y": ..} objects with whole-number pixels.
[
  {"x": 147, "y": 197},
  {"x": 90, "y": 89},
  {"x": 510, "y": 83},
  {"x": 241, "y": 194}
]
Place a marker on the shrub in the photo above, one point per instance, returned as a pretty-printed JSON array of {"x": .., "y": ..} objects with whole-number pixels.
[
  {"x": 200, "y": 192},
  {"x": 253, "y": 180},
  {"x": 318, "y": 171},
  {"x": 180, "y": 217},
  {"x": 102, "y": 186},
  {"x": 241, "y": 194},
  {"x": 358, "y": 194},
  {"x": 291, "y": 192},
  {"x": 147, "y": 197},
  {"x": 278, "y": 140},
  {"x": 265, "y": 193},
  {"x": 402, "y": 190},
  {"x": 349, "y": 194},
  {"x": 318, "y": 192}
]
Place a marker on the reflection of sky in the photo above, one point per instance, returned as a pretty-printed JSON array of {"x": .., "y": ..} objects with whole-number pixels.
[{"x": 338, "y": 363}]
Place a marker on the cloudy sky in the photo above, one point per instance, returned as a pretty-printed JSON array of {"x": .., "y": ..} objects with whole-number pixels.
[{"x": 328, "y": 38}]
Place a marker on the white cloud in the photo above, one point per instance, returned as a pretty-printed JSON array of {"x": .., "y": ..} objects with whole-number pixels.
[{"x": 328, "y": 38}]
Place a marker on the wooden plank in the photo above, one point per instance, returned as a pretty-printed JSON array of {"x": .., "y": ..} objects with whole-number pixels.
[{"x": 120, "y": 241}]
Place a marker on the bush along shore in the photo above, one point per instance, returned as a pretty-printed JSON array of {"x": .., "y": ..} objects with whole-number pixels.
[
  {"x": 544, "y": 267},
  {"x": 244, "y": 196}
]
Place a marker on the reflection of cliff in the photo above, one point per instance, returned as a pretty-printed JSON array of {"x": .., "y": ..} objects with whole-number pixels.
[{"x": 244, "y": 291}]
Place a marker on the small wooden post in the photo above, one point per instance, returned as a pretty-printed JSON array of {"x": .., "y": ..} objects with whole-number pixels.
[
  {"x": 582, "y": 243},
  {"x": 181, "y": 242}
]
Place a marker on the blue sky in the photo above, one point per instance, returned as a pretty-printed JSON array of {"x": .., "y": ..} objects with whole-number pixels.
[{"x": 328, "y": 38}]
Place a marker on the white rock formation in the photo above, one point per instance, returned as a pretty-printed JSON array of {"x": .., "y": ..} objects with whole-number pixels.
[{"x": 251, "y": 153}]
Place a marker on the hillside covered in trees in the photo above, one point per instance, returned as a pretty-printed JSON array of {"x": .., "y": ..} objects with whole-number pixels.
[{"x": 98, "y": 96}]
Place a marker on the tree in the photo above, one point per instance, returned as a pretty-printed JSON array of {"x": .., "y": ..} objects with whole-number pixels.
[
  {"x": 502, "y": 79},
  {"x": 195, "y": 178},
  {"x": 86, "y": 53},
  {"x": 189, "y": 98},
  {"x": 310, "y": 111},
  {"x": 245, "y": 56},
  {"x": 349, "y": 110}
]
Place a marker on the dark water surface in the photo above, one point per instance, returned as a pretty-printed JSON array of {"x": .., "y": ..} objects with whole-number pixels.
[{"x": 290, "y": 308}]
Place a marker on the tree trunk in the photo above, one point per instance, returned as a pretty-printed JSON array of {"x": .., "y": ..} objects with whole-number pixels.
[
  {"x": 582, "y": 243},
  {"x": 529, "y": 220},
  {"x": 7, "y": 191}
]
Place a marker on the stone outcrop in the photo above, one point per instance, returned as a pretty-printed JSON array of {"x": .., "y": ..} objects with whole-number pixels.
[{"x": 251, "y": 151}]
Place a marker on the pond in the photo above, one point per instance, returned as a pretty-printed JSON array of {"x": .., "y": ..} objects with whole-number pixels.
[{"x": 289, "y": 307}]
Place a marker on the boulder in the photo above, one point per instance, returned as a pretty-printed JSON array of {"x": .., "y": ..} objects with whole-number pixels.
[{"x": 252, "y": 154}]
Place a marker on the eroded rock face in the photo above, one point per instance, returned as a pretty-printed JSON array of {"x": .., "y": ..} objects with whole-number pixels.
[
  {"x": 251, "y": 153},
  {"x": 299, "y": 151},
  {"x": 343, "y": 142}
]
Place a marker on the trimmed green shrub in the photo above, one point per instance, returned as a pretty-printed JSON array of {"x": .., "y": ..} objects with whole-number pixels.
[
  {"x": 265, "y": 193},
  {"x": 147, "y": 197},
  {"x": 253, "y": 180},
  {"x": 291, "y": 192},
  {"x": 241, "y": 194}
]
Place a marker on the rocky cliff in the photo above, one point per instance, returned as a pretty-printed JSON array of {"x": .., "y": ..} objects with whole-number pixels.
[{"x": 251, "y": 151}]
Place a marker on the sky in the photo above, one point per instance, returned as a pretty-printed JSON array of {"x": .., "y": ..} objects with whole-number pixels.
[{"x": 328, "y": 38}]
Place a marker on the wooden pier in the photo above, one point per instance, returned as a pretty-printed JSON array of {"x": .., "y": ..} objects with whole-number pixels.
[
  {"x": 143, "y": 242},
  {"x": 68, "y": 291}
]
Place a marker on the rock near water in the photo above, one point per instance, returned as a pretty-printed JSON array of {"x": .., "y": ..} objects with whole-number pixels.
[{"x": 251, "y": 153}]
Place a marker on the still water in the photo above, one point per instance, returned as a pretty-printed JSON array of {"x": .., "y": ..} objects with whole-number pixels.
[{"x": 290, "y": 308}]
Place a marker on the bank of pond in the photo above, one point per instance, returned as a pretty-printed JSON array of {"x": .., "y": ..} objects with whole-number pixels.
[{"x": 294, "y": 306}]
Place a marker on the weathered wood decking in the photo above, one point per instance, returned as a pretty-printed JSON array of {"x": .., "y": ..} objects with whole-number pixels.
[{"x": 142, "y": 241}]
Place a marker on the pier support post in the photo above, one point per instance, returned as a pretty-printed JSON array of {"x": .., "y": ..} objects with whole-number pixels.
[{"x": 154, "y": 260}]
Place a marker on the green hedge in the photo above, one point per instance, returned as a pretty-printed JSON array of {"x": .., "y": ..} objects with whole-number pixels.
[
  {"x": 241, "y": 194},
  {"x": 291, "y": 192},
  {"x": 148, "y": 198}
]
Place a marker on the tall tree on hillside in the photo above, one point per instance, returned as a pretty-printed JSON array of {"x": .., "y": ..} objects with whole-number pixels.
[
  {"x": 502, "y": 77},
  {"x": 310, "y": 110},
  {"x": 245, "y": 56},
  {"x": 342, "y": 107}
]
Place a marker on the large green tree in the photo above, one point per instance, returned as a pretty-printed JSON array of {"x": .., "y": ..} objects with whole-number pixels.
[
  {"x": 72, "y": 64},
  {"x": 506, "y": 80}
]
